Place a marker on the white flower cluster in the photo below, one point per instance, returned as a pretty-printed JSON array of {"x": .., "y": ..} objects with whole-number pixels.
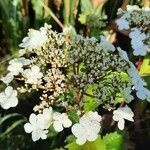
[
  {"x": 15, "y": 67},
  {"x": 35, "y": 39},
  {"x": 138, "y": 20},
  {"x": 39, "y": 124},
  {"x": 121, "y": 114}
]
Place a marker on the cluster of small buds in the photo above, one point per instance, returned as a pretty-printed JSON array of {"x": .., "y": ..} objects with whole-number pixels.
[
  {"x": 106, "y": 90},
  {"x": 137, "y": 19},
  {"x": 91, "y": 61}
]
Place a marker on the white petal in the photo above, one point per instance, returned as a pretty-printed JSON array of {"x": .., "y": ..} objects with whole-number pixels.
[
  {"x": 92, "y": 137},
  {"x": 81, "y": 140},
  {"x": 28, "y": 128},
  {"x": 121, "y": 124},
  {"x": 57, "y": 116},
  {"x": 78, "y": 130},
  {"x": 35, "y": 135},
  {"x": 33, "y": 119},
  {"x": 9, "y": 90},
  {"x": 67, "y": 123},
  {"x": 58, "y": 126}
]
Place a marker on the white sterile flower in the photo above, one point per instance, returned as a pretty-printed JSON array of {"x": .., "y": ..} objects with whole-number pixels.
[
  {"x": 132, "y": 7},
  {"x": 35, "y": 39},
  {"x": 88, "y": 128},
  {"x": 61, "y": 121},
  {"x": 8, "y": 78},
  {"x": 106, "y": 45},
  {"x": 15, "y": 65},
  {"x": 137, "y": 38},
  {"x": 34, "y": 126},
  {"x": 32, "y": 75},
  {"x": 122, "y": 22},
  {"x": 123, "y": 113},
  {"x": 8, "y": 98},
  {"x": 46, "y": 118}
]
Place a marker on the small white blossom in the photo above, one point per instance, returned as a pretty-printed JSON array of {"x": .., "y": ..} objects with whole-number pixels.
[
  {"x": 121, "y": 114},
  {"x": 137, "y": 38},
  {"x": 34, "y": 126},
  {"x": 8, "y": 78},
  {"x": 8, "y": 98},
  {"x": 88, "y": 128},
  {"x": 35, "y": 39},
  {"x": 32, "y": 75},
  {"x": 61, "y": 121},
  {"x": 15, "y": 65}
]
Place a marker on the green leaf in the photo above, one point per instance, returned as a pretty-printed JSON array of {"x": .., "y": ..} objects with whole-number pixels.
[
  {"x": 113, "y": 141},
  {"x": 73, "y": 116},
  {"x": 90, "y": 105},
  {"x": 145, "y": 67},
  {"x": 86, "y": 6},
  {"x": 5, "y": 118},
  {"x": 96, "y": 145},
  {"x": 38, "y": 8},
  {"x": 11, "y": 128}
]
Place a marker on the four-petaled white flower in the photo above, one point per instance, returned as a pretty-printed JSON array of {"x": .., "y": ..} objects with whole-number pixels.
[
  {"x": 8, "y": 98},
  {"x": 34, "y": 126},
  {"x": 137, "y": 38},
  {"x": 123, "y": 113},
  {"x": 15, "y": 65},
  {"x": 61, "y": 121},
  {"x": 88, "y": 128},
  {"x": 32, "y": 75},
  {"x": 8, "y": 78},
  {"x": 35, "y": 39}
]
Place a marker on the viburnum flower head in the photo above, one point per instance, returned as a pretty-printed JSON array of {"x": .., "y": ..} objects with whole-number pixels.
[
  {"x": 61, "y": 121},
  {"x": 35, "y": 39},
  {"x": 8, "y": 98},
  {"x": 88, "y": 128},
  {"x": 34, "y": 127},
  {"x": 121, "y": 114},
  {"x": 32, "y": 75}
]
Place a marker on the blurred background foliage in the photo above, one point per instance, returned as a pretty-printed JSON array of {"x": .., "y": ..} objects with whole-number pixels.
[{"x": 89, "y": 18}]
